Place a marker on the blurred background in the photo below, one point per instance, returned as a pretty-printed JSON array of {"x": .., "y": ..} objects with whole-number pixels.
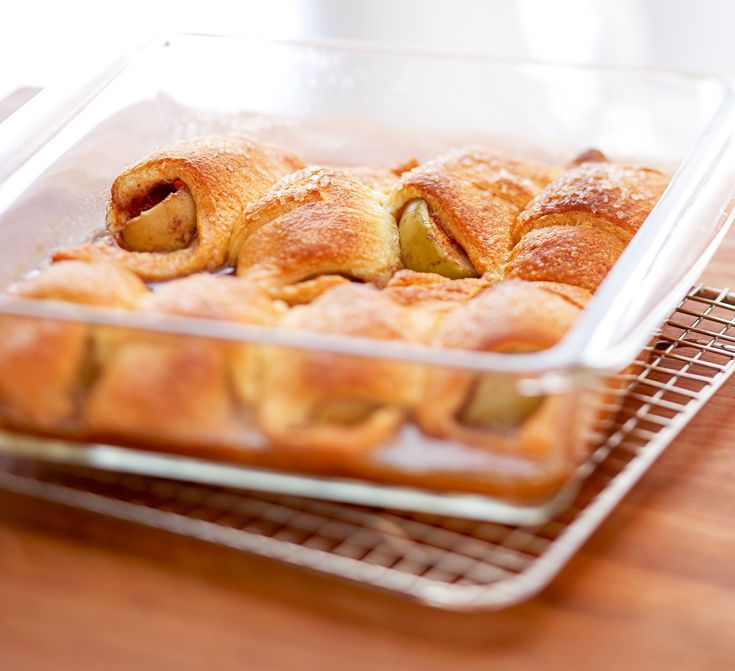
[{"x": 42, "y": 40}]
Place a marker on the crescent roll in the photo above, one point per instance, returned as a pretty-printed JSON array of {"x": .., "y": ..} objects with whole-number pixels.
[
  {"x": 333, "y": 408},
  {"x": 577, "y": 227},
  {"x": 173, "y": 214},
  {"x": 487, "y": 410},
  {"x": 45, "y": 364},
  {"x": 182, "y": 390},
  {"x": 457, "y": 213},
  {"x": 315, "y": 223}
]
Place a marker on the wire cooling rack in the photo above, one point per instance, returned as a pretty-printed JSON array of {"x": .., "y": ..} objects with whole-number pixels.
[{"x": 451, "y": 563}]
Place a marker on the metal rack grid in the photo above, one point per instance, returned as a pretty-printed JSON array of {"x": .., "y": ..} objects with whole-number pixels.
[{"x": 446, "y": 562}]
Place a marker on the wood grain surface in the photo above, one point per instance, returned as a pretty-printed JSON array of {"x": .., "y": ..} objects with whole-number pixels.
[{"x": 653, "y": 589}]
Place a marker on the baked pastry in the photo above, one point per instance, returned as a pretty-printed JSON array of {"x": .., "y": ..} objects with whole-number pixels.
[
  {"x": 316, "y": 222},
  {"x": 457, "y": 213},
  {"x": 173, "y": 214},
  {"x": 327, "y": 407},
  {"x": 475, "y": 250},
  {"x": 334, "y": 409},
  {"x": 487, "y": 410},
  {"x": 577, "y": 227},
  {"x": 45, "y": 364},
  {"x": 429, "y": 291},
  {"x": 186, "y": 391}
]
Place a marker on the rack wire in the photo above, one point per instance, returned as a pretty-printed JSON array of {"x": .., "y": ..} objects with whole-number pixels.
[{"x": 447, "y": 562}]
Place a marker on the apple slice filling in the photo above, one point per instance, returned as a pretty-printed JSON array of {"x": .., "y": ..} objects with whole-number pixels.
[
  {"x": 426, "y": 247},
  {"x": 344, "y": 411},
  {"x": 494, "y": 403},
  {"x": 165, "y": 226}
]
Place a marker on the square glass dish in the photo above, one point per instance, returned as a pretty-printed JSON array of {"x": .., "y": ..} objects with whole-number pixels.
[{"x": 349, "y": 104}]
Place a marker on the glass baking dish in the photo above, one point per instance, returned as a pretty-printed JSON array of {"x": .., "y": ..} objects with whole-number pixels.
[{"x": 353, "y": 104}]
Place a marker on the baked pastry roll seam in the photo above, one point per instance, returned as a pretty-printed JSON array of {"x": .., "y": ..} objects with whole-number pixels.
[{"x": 221, "y": 176}]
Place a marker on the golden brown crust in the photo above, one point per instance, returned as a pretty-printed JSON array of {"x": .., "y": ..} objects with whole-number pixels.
[
  {"x": 223, "y": 176},
  {"x": 317, "y": 221},
  {"x": 306, "y": 291},
  {"x": 90, "y": 283},
  {"x": 188, "y": 390},
  {"x": 298, "y": 385},
  {"x": 512, "y": 316},
  {"x": 222, "y": 297},
  {"x": 578, "y": 296},
  {"x": 42, "y": 362},
  {"x": 609, "y": 196},
  {"x": 580, "y": 255},
  {"x": 164, "y": 390},
  {"x": 476, "y": 195},
  {"x": 40, "y": 365},
  {"x": 410, "y": 288}
]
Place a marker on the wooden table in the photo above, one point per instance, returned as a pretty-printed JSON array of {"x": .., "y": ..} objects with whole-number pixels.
[{"x": 653, "y": 589}]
